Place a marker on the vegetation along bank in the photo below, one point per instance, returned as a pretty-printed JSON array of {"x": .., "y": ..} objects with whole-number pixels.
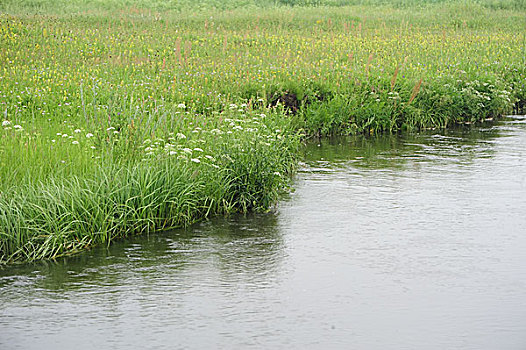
[{"x": 120, "y": 118}]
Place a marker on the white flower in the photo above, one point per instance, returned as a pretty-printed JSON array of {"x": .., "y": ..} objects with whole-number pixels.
[
  {"x": 53, "y": 141},
  {"x": 187, "y": 150},
  {"x": 181, "y": 105},
  {"x": 172, "y": 153},
  {"x": 195, "y": 160},
  {"x": 198, "y": 149},
  {"x": 18, "y": 127},
  {"x": 89, "y": 135},
  {"x": 77, "y": 131},
  {"x": 115, "y": 132},
  {"x": 110, "y": 128},
  {"x": 148, "y": 149},
  {"x": 92, "y": 147},
  {"x": 75, "y": 142},
  {"x": 64, "y": 135},
  {"x": 233, "y": 106},
  {"x": 180, "y": 136},
  {"x": 6, "y": 123}
]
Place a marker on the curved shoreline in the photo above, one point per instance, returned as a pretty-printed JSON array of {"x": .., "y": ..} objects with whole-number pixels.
[{"x": 115, "y": 126}]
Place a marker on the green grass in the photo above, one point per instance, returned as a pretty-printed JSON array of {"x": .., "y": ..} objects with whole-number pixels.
[{"x": 124, "y": 117}]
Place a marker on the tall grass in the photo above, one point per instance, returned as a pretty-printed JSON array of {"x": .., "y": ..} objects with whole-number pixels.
[{"x": 242, "y": 164}]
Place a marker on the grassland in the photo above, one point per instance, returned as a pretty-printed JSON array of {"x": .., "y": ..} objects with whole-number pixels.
[{"x": 122, "y": 118}]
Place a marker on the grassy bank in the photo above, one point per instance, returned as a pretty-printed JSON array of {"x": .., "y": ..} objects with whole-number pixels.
[{"x": 122, "y": 118}]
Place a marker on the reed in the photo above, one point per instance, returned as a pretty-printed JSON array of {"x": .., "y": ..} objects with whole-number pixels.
[
  {"x": 393, "y": 80},
  {"x": 415, "y": 91}
]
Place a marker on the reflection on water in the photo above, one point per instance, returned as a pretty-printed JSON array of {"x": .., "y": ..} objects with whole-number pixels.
[
  {"x": 404, "y": 242},
  {"x": 236, "y": 249},
  {"x": 392, "y": 152}
]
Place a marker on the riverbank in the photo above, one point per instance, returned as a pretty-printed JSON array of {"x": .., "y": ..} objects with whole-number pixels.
[{"x": 125, "y": 120}]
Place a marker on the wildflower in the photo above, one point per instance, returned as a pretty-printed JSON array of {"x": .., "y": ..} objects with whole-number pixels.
[
  {"x": 18, "y": 127},
  {"x": 89, "y": 135},
  {"x": 198, "y": 149},
  {"x": 180, "y": 136},
  {"x": 64, "y": 135},
  {"x": 233, "y": 106},
  {"x": 187, "y": 150},
  {"x": 181, "y": 105},
  {"x": 6, "y": 123},
  {"x": 53, "y": 141},
  {"x": 92, "y": 147},
  {"x": 195, "y": 160},
  {"x": 77, "y": 131},
  {"x": 110, "y": 128},
  {"x": 172, "y": 153},
  {"x": 115, "y": 132},
  {"x": 75, "y": 142}
]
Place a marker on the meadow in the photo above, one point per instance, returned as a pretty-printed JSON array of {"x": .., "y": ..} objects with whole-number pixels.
[{"x": 128, "y": 117}]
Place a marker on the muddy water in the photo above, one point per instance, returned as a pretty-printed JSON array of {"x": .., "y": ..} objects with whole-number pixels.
[{"x": 414, "y": 242}]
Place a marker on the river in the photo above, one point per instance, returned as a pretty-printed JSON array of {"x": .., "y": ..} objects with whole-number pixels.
[{"x": 388, "y": 242}]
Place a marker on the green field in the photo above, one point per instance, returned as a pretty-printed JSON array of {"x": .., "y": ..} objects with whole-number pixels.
[{"x": 125, "y": 117}]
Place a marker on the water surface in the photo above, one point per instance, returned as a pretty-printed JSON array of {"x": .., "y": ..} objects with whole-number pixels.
[{"x": 413, "y": 242}]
